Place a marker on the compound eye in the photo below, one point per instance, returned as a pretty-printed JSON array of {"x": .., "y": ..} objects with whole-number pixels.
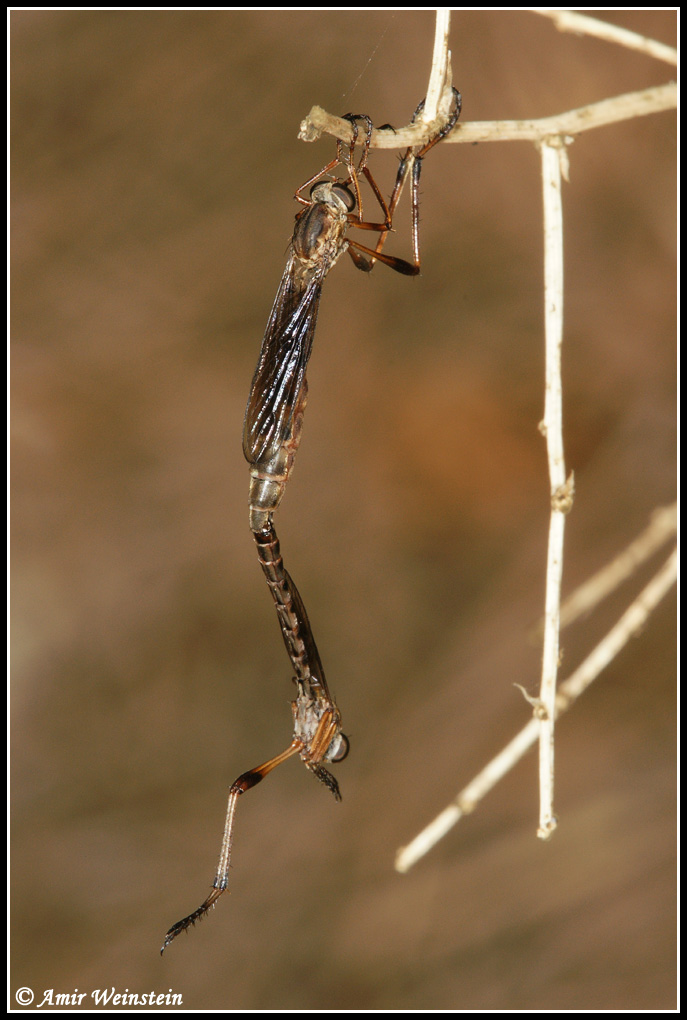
[
  {"x": 342, "y": 749},
  {"x": 345, "y": 194}
]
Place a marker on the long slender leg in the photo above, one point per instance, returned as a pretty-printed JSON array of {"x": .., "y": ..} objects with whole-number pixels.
[
  {"x": 246, "y": 781},
  {"x": 412, "y": 162},
  {"x": 348, "y": 159},
  {"x": 344, "y": 157},
  {"x": 317, "y": 722},
  {"x": 321, "y": 173}
]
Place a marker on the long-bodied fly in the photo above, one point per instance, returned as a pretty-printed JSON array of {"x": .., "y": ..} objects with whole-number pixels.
[{"x": 272, "y": 433}]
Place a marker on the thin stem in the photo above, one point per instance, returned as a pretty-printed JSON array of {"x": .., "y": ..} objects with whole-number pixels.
[
  {"x": 662, "y": 527},
  {"x": 438, "y": 99},
  {"x": 571, "y": 122},
  {"x": 629, "y": 625},
  {"x": 582, "y": 24},
  {"x": 433, "y": 116},
  {"x": 561, "y": 491}
]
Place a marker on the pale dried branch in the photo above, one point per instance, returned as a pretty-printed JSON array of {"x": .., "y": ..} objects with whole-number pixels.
[
  {"x": 551, "y": 134},
  {"x": 662, "y": 527},
  {"x": 582, "y": 24},
  {"x": 627, "y": 627},
  {"x": 438, "y": 99},
  {"x": 561, "y": 491},
  {"x": 570, "y": 123},
  {"x": 435, "y": 113}
]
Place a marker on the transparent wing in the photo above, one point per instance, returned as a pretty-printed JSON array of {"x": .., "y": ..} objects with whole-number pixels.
[{"x": 284, "y": 356}]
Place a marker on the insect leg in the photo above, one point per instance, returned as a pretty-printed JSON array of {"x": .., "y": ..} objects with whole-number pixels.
[
  {"x": 411, "y": 162},
  {"x": 246, "y": 781}
]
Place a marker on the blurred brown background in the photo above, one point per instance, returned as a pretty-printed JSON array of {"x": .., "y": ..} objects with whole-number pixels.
[{"x": 154, "y": 159}]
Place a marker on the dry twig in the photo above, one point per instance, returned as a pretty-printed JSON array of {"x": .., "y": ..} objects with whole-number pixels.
[{"x": 551, "y": 135}]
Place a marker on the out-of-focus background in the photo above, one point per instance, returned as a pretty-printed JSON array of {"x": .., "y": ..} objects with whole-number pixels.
[{"x": 154, "y": 160}]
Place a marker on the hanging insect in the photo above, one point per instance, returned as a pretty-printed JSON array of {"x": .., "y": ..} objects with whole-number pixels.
[{"x": 272, "y": 433}]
